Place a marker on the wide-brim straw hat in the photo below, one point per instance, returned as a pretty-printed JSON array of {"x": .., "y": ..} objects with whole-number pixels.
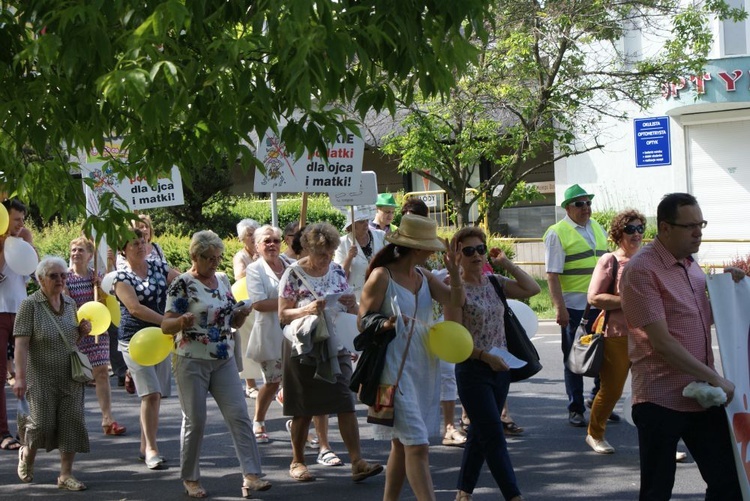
[{"x": 416, "y": 232}]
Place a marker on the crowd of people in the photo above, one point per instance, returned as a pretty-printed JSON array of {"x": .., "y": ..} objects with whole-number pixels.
[{"x": 291, "y": 333}]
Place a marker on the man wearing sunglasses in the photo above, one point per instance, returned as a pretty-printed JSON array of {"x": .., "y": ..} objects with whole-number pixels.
[
  {"x": 663, "y": 291},
  {"x": 572, "y": 248}
]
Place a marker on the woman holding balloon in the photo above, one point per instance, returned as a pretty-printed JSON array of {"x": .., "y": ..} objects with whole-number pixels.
[
  {"x": 400, "y": 289},
  {"x": 484, "y": 379},
  {"x": 46, "y": 325},
  {"x": 141, "y": 288},
  {"x": 202, "y": 312},
  {"x": 80, "y": 286}
]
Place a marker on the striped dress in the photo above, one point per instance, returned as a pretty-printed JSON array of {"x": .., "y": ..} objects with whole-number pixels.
[{"x": 81, "y": 289}]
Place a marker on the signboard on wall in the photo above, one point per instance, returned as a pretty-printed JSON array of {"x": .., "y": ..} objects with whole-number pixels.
[{"x": 652, "y": 142}]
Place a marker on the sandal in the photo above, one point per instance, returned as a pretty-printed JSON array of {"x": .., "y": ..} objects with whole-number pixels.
[
  {"x": 10, "y": 443},
  {"x": 511, "y": 428},
  {"x": 251, "y": 392},
  {"x": 70, "y": 484},
  {"x": 360, "y": 473},
  {"x": 155, "y": 462},
  {"x": 253, "y": 483},
  {"x": 463, "y": 496},
  {"x": 299, "y": 472},
  {"x": 327, "y": 457},
  {"x": 454, "y": 437},
  {"x": 311, "y": 443},
  {"x": 114, "y": 429},
  {"x": 129, "y": 383},
  {"x": 464, "y": 423},
  {"x": 25, "y": 469},
  {"x": 194, "y": 489},
  {"x": 259, "y": 429}
]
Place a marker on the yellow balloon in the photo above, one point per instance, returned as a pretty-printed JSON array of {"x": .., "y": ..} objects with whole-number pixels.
[
  {"x": 450, "y": 341},
  {"x": 4, "y": 219},
  {"x": 239, "y": 290},
  {"x": 96, "y": 313},
  {"x": 150, "y": 346},
  {"x": 113, "y": 305}
]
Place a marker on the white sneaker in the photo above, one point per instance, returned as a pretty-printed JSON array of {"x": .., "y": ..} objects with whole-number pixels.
[{"x": 599, "y": 446}]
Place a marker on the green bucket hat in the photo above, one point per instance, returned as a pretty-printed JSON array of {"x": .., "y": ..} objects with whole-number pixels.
[
  {"x": 385, "y": 200},
  {"x": 574, "y": 192}
]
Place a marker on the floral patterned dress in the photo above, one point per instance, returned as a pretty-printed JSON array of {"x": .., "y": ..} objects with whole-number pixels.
[{"x": 210, "y": 338}]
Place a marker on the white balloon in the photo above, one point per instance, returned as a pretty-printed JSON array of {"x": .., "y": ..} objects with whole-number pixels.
[
  {"x": 108, "y": 281},
  {"x": 627, "y": 410},
  {"x": 526, "y": 316},
  {"x": 20, "y": 256}
]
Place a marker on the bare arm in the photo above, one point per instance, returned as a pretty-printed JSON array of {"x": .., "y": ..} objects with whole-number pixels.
[
  {"x": 126, "y": 295},
  {"x": 288, "y": 312},
  {"x": 175, "y": 322},
  {"x": 555, "y": 292},
  {"x": 605, "y": 301},
  {"x": 678, "y": 357},
  {"x": 266, "y": 305},
  {"x": 22, "y": 356},
  {"x": 373, "y": 294},
  {"x": 523, "y": 286}
]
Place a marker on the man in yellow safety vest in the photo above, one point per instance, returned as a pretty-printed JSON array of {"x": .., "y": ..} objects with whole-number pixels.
[{"x": 572, "y": 248}]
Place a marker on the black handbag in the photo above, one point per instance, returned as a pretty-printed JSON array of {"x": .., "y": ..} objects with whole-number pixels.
[{"x": 519, "y": 344}]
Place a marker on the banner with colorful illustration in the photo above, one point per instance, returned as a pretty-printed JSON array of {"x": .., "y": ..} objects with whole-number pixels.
[{"x": 730, "y": 303}]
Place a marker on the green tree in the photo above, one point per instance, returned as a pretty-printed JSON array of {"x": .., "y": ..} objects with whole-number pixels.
[
  {"x": 546, "y": 75},
  {"x": 187, "y": 81}
]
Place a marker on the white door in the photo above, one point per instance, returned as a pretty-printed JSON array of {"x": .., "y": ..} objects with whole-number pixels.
[{"x": 719, "y": 176}]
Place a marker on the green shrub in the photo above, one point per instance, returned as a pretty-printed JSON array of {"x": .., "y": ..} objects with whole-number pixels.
[{"x": 54, "y": 239}]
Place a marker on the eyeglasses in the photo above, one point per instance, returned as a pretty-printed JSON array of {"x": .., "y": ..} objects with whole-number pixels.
[
  {"x": 268, "y": 241},
  {"x": 55, "y": 276},
  {"x": 213, "y": 259},
  {"x": 469, "y": 251},
  {"x": 631, "y": 228},
  {"x": 691, "y": 226},
  {"x": 581, "y": 203}
]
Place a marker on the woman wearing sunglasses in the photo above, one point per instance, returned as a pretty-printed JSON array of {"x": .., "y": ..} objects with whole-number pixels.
[
  {"x": 484, "y": 378},
  {"x": 626, "y": 231}
]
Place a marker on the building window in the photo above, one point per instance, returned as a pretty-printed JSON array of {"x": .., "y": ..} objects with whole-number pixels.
[{"x": 734, "y": 34}]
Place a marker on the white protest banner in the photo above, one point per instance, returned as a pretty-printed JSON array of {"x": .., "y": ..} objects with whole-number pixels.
[
  {"x": 310, "y": 173},
  {"x": 137, "y": 192},
  {"x": 366, "y": 195},
  {"x": 730, "y": 303}
]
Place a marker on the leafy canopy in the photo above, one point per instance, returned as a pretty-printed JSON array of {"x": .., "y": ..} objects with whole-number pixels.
[
  {"x": 189, "y": 82},
  {"x": 546, "y": 76}
]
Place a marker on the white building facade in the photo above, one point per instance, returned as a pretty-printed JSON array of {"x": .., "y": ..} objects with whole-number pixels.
[{"x": 695, "y": 139}]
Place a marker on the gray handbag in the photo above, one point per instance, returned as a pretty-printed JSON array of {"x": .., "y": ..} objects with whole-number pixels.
[{"x": 587, "y": 353}]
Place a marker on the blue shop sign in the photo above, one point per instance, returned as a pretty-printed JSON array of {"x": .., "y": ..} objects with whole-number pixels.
[{"x": 652, "y": 143}]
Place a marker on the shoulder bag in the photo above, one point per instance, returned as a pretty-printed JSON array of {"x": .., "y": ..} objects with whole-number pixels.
[
  {"x": 382, "y": 412},
  {"x": 519, "y": 344},
  {"x": 81, "y": 370},
  {"x": 587, "y": 353}
]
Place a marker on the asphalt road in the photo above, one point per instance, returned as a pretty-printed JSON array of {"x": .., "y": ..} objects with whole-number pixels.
[{"x": 551, "y": 459}]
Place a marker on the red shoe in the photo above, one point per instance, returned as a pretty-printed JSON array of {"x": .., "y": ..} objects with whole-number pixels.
[
  {"x": 129, "y": 384},
  {"x": 114, "y": 429}
]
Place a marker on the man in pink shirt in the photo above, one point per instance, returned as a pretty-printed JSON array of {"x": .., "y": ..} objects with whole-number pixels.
[{"x": 664, "y": 298}]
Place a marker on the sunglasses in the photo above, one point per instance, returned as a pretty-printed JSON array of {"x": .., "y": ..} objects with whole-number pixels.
[
  {"x": 631, "y": 228},
  {"x": 268, "y": 241},
  {"x": 469, "y": 251},
  {"x": 55, "y": 276},
  {"x": 580, "y": 203}
]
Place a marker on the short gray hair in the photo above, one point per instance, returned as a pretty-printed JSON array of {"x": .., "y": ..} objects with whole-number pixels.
[
  {"x": 204, "y": 240},
  {"x": 264, "y": 230},
  {"x": 246, "y": 225},
  {"x": 46, "y": 264}
]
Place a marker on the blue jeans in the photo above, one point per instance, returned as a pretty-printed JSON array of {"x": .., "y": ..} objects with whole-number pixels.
[
  {"x": 706, "y": 435},
  {"x": 574, "y": 382},
  {"x": 483, "y": 392}
]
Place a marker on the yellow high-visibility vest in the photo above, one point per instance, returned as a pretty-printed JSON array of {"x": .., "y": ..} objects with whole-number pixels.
[{"x": 580, "y": 258}]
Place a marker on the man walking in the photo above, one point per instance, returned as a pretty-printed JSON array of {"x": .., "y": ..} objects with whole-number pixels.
[
  {"x": 664, "y": 298},
  {"x": 572, "y": 248}
]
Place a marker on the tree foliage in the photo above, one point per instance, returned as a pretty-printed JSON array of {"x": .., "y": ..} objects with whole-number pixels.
[
  {"x": 546, "y": 75},
  {"x": 187, "y": 81}
]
